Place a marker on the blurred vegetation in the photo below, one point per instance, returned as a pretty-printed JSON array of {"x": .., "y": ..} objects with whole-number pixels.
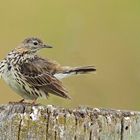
[{"x": 103, "y": 33}]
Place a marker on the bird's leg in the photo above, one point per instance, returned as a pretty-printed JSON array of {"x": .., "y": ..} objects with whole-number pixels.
[
  {"x": 21, "y": 101},
  {"x": 28, "y": 101},
  {"x": 33, "y": 102},
  {"x": 18, "y": 102}
]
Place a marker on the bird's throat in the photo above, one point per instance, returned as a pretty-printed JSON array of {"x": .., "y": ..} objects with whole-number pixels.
[{"x": 21, "y": 50}]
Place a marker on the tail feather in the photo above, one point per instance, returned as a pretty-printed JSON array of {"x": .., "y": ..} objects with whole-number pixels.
[
  {"x": 67, "y": 71},
  {"x": 81, "y": 70}
]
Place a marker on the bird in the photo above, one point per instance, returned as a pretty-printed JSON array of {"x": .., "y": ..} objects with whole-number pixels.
[{"x": 32, "y": 76}]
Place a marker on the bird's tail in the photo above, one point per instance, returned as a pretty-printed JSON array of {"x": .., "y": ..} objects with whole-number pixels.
[
  {"x": 68, "y": 71},
  {"x": 81, "y": 70}
]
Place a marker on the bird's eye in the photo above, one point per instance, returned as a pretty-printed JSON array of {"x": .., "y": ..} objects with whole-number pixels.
[{"x": 35, "y": 42}]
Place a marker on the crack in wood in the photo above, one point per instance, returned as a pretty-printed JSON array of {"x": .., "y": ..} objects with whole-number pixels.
[
  {"x": 90, "y": 135},
  {"x": 19, "y": 130},
  {"x": 47, "y": 124},
  {"x": 122, "y": 127},
  {"x": 55, "y": 135}
]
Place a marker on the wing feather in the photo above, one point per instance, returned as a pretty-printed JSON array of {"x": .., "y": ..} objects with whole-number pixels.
[{"x": 38, "y": 73}]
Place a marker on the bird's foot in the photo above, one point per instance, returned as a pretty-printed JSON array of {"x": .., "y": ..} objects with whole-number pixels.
[
  {"x": 18, "y": 102},
  {"x": 33, "y": 102}
]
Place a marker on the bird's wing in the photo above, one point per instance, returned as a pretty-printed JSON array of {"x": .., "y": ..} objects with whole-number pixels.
[{"x": 39, "y": 73}]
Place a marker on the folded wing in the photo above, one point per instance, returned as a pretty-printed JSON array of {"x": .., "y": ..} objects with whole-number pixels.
[{"x": 39, "y": 74}]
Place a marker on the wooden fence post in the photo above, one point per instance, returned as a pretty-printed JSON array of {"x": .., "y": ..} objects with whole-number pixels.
[{"x": 39, "y": 122}]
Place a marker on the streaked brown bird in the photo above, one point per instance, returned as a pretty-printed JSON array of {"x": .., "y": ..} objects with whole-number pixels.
[{"x": 32, "y": 76}]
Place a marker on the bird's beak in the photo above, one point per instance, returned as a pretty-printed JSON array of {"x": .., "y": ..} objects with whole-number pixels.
[{"x": 47, "y": 46}]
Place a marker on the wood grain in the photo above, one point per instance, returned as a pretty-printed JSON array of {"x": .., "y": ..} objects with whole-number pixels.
[{"x": 38, "y": 122}]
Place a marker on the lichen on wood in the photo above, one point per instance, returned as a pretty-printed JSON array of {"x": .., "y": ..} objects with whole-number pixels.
[{"x": 40, "y": 122}]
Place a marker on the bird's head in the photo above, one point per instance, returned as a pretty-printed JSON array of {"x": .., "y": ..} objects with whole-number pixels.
[{"x": 32, "y": 45}]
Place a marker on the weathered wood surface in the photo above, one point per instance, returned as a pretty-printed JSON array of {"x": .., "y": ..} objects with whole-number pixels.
[{"x": 27, "y": 122}]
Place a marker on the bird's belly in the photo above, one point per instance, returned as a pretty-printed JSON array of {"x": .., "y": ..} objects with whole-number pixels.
[{"x": 10, "y": 79}]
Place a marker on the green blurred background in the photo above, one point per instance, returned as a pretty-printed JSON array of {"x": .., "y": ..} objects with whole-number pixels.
[{"x": 105, "y": 33}]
